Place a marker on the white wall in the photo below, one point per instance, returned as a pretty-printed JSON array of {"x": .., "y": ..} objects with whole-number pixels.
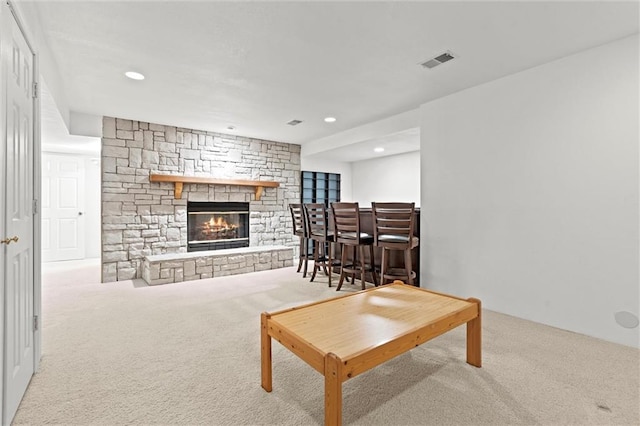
[
  {"x": 92, "y": 197},
  {"x": 392, "y": 178},
  {"x": 311, "y": 164},
  {"x": 530, "y": 192}
]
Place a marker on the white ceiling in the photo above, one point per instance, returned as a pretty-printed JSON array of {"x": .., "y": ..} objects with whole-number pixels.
[
  {"x": 393, "y": 144},
  {"x": 54, "y": 134},
  {"x": 258, "y": 65}
]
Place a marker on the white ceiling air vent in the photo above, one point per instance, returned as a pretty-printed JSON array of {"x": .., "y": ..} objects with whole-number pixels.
[
  {"x": 294, "y": 122},
  {"x": 440, "y": 59}
]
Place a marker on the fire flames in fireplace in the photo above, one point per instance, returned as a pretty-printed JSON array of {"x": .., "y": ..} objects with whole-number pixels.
[{"x": 218, "y": 228}]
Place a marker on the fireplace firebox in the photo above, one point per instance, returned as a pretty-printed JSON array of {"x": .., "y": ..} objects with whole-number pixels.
[{"x": 217, "y": 225}]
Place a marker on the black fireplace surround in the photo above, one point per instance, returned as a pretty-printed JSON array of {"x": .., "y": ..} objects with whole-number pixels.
[{"x": 217, "y": 225}]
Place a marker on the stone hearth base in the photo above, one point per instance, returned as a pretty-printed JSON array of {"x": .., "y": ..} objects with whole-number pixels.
[{"x": 177, "y": 267}]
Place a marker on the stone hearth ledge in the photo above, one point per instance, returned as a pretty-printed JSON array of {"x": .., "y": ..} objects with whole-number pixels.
[{"x": 178, "y": 267}]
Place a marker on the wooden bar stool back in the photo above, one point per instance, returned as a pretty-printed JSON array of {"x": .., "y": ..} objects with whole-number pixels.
[
  {"x": 346, "y": 220},
  {"x": 393, "y": 225},
  {"x": 316, "y": 215},
  {"x": 300, "y": 230}
]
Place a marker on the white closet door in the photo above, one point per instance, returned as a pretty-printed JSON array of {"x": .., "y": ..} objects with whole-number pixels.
[{"x": 62, "y": 207}]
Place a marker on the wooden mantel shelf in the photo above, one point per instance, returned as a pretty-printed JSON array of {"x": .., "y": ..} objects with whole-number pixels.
[{"x": 259, "y": 185}]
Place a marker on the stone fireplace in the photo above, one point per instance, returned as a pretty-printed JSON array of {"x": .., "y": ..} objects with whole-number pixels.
[
  {"x": 142, "y": 219},
  {"x": 217, "y": 225}
]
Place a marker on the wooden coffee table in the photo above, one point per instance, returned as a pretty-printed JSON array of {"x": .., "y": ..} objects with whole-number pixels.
[{"x": 348, "y": 335}]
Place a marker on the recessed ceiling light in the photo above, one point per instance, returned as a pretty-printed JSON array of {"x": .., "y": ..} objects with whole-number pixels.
[
  {"x": 231, "y": 128},
  {"x": 134, "y": 75},
  {"x": 378, "y": 149},
  {"x": 330, "y": 119}
]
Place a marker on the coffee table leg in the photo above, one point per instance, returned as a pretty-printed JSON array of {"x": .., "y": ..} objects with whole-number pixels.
[
  {"x": 265, "y": 343},
  {"x": 474, "y": 337},
  {"x": 332, "y": 390}
]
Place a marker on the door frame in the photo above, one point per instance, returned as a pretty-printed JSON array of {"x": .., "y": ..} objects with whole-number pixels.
[
  {"x": 3, "y": 139},
  {"x": 8, "y": 11}
]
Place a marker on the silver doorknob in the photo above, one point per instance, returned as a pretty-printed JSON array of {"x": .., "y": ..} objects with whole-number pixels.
[{"x": 8, "y": 241}]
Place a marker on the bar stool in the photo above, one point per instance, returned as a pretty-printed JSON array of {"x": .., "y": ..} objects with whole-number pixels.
[
  {"x": 322, "y": 238},
  {"x": 393, "y": 225},
  {"x": 346, "y": 220},
  {"x": 300, "y": 230}
]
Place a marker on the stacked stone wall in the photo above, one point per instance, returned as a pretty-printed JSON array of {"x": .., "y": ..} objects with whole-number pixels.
[
  {"x": 141, "y": 218},
  {"x": 174, "y": 268}
]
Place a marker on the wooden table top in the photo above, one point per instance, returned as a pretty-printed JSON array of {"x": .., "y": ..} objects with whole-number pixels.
[{"x": 350, "y": 325}]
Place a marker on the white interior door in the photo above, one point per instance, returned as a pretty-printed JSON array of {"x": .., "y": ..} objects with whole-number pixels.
[
  {"x": 18, "y": 78},
  {"x": 62, "y": 207}
]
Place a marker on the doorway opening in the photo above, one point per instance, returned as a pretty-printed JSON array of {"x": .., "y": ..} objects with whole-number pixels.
[{"x": 71, "y": 188}]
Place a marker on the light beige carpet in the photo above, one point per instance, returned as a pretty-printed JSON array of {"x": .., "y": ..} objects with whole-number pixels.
[{"x": 189, "y": 353}]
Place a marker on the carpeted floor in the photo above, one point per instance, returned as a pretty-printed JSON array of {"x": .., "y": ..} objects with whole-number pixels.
[{"x": 189, "y": 353}]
